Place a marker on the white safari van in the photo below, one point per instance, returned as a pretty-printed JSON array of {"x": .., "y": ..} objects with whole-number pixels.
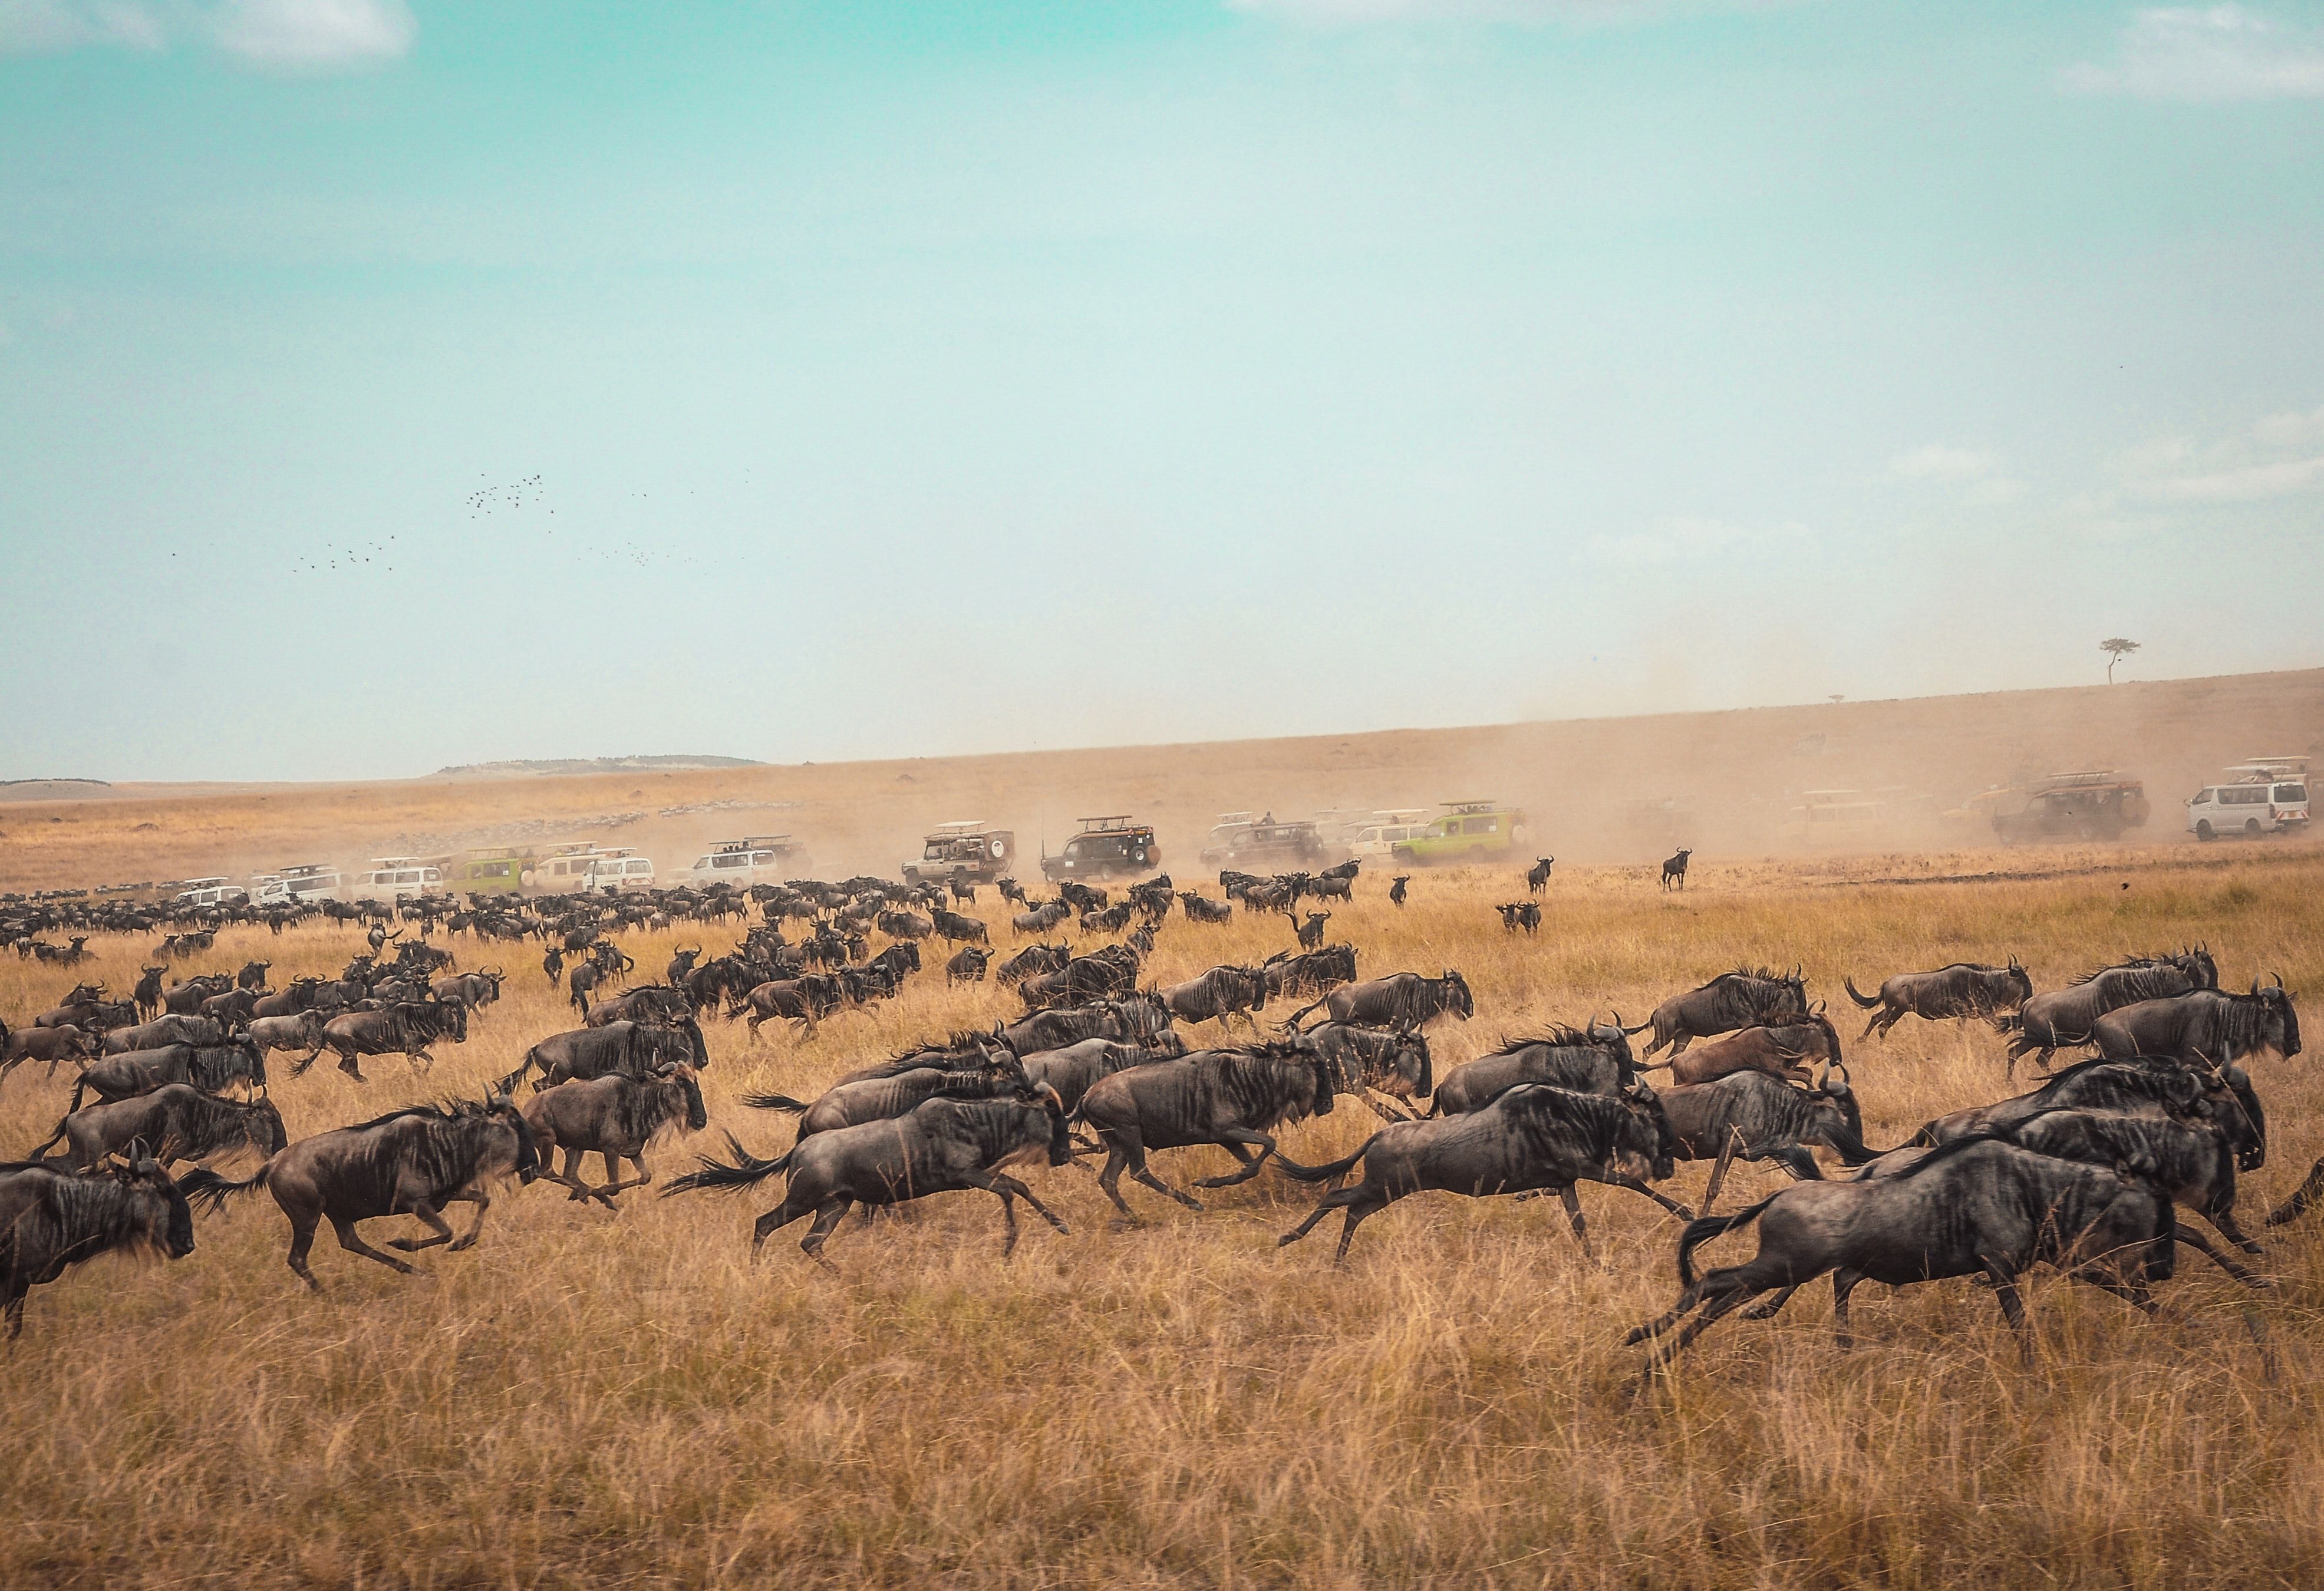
[
  {"x": 294, "y": 885},
  {"x": 621, "y": 868},
  {"x": 2266, "y": 795},
  {"x": 396, "y": 877}
]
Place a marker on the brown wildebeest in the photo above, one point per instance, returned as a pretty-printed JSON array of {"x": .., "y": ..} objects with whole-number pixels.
[
  {"x": 2066, "y": 1018},
  {"x": 1230, "y": 1097},
  {"x": 1674, "y": 870},
  {"x": 886, "y": 1096},
  {"x": 1749, "y": 996},
  {"x": 1222, "y": 993},
  {"x": 648, "y": 1002},
  {"x": 301, "y": 1031},
  {"x": 163, "y": 1031},
  {"x": 1801, "y": 1050},
  {"x": 1754, "y": 1117},
  {"x": 942, "y": 1146},
  {"x": 406, "y": 1029},
  {"x": 967, "y": 966},
  {"x": 52, "y": 1219},
  {"x": 1395, "y": 888},
  {"x": 50, "y": 1044},
  {"x": 1965, "y": 989},
  {"x": 615, "y": 1116},
  {"x": 1075, "y": 1069},
  {"x": 1199, "y": 910},
  {"x": 1394, "y": 1061},
  {"x": 1537, "y": 875},
  {"x": 1311, "y": 931},
  {"x": 209, "y": 1068},
  {"x": 1532, "y": 1138},
  {"x": 637, "y": 1048},
  {"x": 1401, "y": 1000},
  {"x": 409, "y": 1162},
  {"x": 178, "y": 1119},
  {"x": 804, "y": 1000}
]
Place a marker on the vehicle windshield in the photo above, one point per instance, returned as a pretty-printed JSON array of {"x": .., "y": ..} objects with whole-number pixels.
[{"x": 2291, "y": 791}]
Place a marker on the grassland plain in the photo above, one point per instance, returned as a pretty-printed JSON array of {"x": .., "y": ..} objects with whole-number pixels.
[{"x": 626, "y": 1399}]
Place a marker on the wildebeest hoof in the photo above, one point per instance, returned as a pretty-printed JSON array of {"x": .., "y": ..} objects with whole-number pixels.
[
  {"x": 404, "y": 1243},
  {"x": 457, "y": 1244},
  {"x": 1125, "y": 1224}
]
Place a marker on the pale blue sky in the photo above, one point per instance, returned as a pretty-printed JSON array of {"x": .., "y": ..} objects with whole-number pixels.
[{"x": 927, "y": 378}]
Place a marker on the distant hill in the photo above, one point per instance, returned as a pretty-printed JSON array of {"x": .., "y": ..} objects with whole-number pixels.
[
  {"x": 544, "y": 767},
  {"x": 49, "y": 789}
]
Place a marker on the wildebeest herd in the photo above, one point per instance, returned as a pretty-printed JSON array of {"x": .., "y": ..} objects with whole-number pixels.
[{"x": 2088, "y": 1172}]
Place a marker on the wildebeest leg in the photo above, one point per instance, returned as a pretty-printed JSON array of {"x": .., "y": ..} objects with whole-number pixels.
[
  {"x": 1732, "y": 1293},
  {"x": 1767, "y": 1311},
  {"x": 2224, "y": 1221},
  {"x": 2208, "y": 1250},
  {"x": 640, "y": 1181},
  {"x": 1843, "y": 1282},
  {"x": 1233, "y": 1140},
  {"x": 2013, "y": 1307},
  {"x": 1635, "y": 1186},
  {"x": 1110, "y": 1178},
  {"x": 1338, "y": 1199},
  {"x": 753, "y": 1021},
  {"x": 571, "y": 1176},
  {"x": 827, "y": 1216},
  {"x": 781, "y": 1216},
  {"x": 1573, "y": 1203},
  {"x": 1679, "y": 1045},
  {"x": 355, "y": 1244},
  {"x": 1002, "y": 1183},
  {"x": 433, "y": 1220},
  {"x": 482, "y": 1202},
  {"x": 348, "y": 1064},
  {"x": 1718, "y": 1170},
  {"x": 416, "y": 1056}
]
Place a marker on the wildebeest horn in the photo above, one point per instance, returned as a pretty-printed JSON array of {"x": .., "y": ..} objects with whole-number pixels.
[{"x": 2255, "y": 986}]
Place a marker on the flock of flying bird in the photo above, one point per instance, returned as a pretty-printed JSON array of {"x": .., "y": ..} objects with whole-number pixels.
[{"x": 2086, "y": 1174}]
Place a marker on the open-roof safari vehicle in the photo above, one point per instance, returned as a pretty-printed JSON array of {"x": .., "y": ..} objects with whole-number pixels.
[
  {"x": 967, "y": 852},
  {"x": 2099, "y": 804},
  {"x": 1106, "y": 848},
  {"x": 1469, "y": 832},
  {"x": 2266, "y": 795},
  {"x": 753, "y": 858},
  {"x": 1239, "y": 839}
]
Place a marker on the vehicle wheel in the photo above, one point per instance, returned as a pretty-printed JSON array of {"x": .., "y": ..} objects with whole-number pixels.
[
  {"x": 2086, "y": 831},
  {"x": 2203, "y": 830},
  {"x": 2251, "y": 827}
]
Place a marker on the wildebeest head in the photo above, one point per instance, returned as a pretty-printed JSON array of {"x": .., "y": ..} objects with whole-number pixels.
[
  {"x": 1833, "y": 1086},
  {"x": 2021, "y": 979},
  {"x": 1461, "y": 1004},
  {"x": 2276, "y": 1001},
  {"x": 1646, "y": 1138},
  {"x": 503, "y": 1108},
  {"x": 164, "y": 1219},
  {"x": 1324, "y": 1091},
  {"x": 1061, "y": 1137},
  {"x": 1615, "y": 1039},
  {"x": 696, "y": 1116},
  {"x": 1412, "y": 1063}
]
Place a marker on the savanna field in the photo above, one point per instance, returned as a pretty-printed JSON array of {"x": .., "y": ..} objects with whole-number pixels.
[{"x": 592, "y": 1399}]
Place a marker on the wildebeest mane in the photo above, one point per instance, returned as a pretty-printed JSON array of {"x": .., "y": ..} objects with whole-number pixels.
[{"x": 1559, "y": 1035}]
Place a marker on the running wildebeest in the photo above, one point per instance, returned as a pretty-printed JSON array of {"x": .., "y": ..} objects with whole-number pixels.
[
  {"x": 1313, "y": 972},
  {"x": 1401, "y": 1000},
  {"x": 474, "y": 989},
  {"x": 1537, "y": 875},
  {"x": 211, "y": 1068},
  {"x": 50, "y": 1044},
  {"x": 1796, "y": 1050},
  {"x": 2208, "y": 1026},
  {"x": 966, "y": 965},
  {"x": 1134, "y": 1020},
  {"x": 1520, "y": 913},
  {"x": 1222, "y": 993},
  {"x": 52, "y": 1219},
  {"x": 1749, "y": 996},
  {"x": 1530, "y": 1138},
  {"x": 2222, "y": 1096},
  {"x": 804, "y": 1000},
  {"x": 1752, "y": 1117},
  {"x": 1978, "y": 1207},
  {"x": 1230, "y": 1097},
  {"x": 945, "y": 1146},
  {"x": 1395, "y": 888},
  {"x": 1674, "y": 870},
  {"x": 637, "y": 1048},
  {"x": 615, "y": 1116},
  {"x": 891, "y": 1093},
  {"x": 2064, "y": 1017},
  {"x": 1595, "y": 1060},
  {"x": 405, "y": 1029},
  {"x": 179, "y": 1120},
  {"x": 301, "y": 1031},
  {"x": 958, "y": 929},
  {"x": 409, "y": 1162},
  {"x": 1032, "y": 960},
  {"x": 1075, "y": 1069},
  {"x": 1965, "y": 989},
  {"x": 164, "y": 1031},
  {"x": 1394, "y": 1061}
]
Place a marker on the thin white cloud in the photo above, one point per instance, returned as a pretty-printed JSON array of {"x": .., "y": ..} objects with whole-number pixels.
[
  {"x": 2252, "y": 483},
  {"x": 294, "y": 35},
  {"x": 43, "y": 27},
  {"x": 1687, "y": 540},
  {"x": 2277, "y": 457},
  {"x": 1937, "y": 461},
  {"x": 315, "y": 34},
  {"x": 2217, "y": 52}
]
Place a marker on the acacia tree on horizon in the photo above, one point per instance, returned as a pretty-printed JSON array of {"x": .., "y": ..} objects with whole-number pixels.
[{"x": 2116, "y": 650}]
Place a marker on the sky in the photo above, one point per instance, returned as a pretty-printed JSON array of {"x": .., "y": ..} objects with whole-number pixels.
[{"x": 386, "y": 385}]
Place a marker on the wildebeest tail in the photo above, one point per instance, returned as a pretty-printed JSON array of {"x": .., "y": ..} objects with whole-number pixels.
[
  {"x": 2299, "y": 1204},
  {"x": 783, "y": 1102},
  {"x": 1323, "y": 1173},
  {"x": 41, "y": 1150},
  {"x": 508, "y": 1084},
  {"x": 205, "y": 1189},
  {"x": 1291, "y": 1023},
  {"x": 1704, "y": 1229},
  {"x": 747, "y": 1170},
  {"x": 1864, "y": 1000},
  {"x": 1641, "y": 1027}
]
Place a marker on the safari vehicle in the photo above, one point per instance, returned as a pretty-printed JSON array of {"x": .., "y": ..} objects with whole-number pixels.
[
  {"x": 1106, "y": 848},
  {"x": 619, "y": 867},
  {"x": 965, "y": 852},
  {"x": 209, "y": 892},
  {"x": 1838, "y": 817},
  {"x": 754, "y": 858},
  {"x": 396, "y": 877},
  {"x": 302, "y": 881},
  {"x": 2099, "y": 804},
  {"x": 1242, "y": 840},
  {"x": 489, "y": 871},
  {"x": 1469, "y": 832},
  {"x": 2266, "y": 795},
  {"x": 1380, "y": 833}
]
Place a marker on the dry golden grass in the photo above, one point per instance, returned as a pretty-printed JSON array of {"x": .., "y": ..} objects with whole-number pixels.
[{"x": 594, "y": 1399}]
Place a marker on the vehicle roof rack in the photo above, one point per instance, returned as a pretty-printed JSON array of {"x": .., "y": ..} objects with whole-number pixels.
[
  {"x": 2260, "y": 768},
  {"x": 1469, "y": 806},
  {"x": 1118, "y": 821},
  {"x": 959, "y": 826}
]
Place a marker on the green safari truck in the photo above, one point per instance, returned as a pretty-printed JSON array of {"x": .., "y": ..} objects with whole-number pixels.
[{"x": 1469, "y": 832}]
